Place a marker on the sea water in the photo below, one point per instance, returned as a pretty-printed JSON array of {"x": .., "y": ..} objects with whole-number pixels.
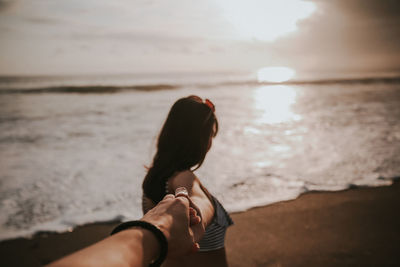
[{"x": 70, "y": 158}]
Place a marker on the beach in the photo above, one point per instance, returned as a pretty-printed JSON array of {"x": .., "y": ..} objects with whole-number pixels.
[
  {"x": 69, "y": 159},
  {"x": 74, "y": 159},
  {"x": 354, "y": 227},
  {"x": 306, "y": 149}
]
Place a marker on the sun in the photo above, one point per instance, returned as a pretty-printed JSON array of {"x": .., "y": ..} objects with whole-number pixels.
[
  {"x": 275, "y": 74},
  {"x": 265, "y": 20}
]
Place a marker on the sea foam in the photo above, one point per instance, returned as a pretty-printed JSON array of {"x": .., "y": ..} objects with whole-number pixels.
[{"x": 69, "y": 159}]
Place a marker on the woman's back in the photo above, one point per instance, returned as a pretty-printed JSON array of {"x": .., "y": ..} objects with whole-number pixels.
[{"x": 182, "y": 145}]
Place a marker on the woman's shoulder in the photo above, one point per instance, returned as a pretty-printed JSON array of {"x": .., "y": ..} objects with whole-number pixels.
[
  {"x": 183, "y": 178},
  {"x": 187, "y": 174}
]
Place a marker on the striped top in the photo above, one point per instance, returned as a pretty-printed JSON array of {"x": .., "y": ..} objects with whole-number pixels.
[{"x": 214, "y": 236}]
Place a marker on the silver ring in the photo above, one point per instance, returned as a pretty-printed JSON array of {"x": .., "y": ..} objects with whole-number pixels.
[{"x": 181, "y": 191}]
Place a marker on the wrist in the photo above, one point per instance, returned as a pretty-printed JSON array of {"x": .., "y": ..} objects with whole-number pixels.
[
  {"x": 152, "y": 241},
  {"x": 151, "y": 245}
]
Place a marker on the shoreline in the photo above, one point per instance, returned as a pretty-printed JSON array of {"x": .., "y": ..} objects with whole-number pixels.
[
  {"x": 117, "y": 220},
  {"x": 356, "y": 226}
]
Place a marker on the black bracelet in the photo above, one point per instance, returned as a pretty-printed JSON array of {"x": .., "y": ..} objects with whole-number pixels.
[{"x": 162, "y": 240}]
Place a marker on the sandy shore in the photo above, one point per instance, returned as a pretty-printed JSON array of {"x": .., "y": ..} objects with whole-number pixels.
[{"x": 358, "y": 227}]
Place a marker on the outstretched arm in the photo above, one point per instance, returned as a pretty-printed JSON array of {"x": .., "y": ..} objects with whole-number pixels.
[{"x": 137, "y": 246}]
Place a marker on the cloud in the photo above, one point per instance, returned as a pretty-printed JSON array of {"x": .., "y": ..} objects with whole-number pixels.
[
  {"x": 4, "y": 4},
  {"x": 370, "y": 9},
  {"x": 343, "y": 36},
  {"x": 339, "y": 35}
]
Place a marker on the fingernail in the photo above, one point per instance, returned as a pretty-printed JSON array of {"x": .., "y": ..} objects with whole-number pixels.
[
  {"x": 192, "y": 211},
  {"x": 196, "y": 247}
]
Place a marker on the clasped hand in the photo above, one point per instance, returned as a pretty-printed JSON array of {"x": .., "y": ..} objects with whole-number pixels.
[{"x": 180, "y": 221}]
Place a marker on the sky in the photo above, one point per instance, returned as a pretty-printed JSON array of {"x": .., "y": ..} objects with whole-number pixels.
[{"x": 318, "y": 38}]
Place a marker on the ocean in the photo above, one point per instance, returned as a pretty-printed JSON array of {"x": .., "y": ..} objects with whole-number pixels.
[{"x": 73, "y": 150}]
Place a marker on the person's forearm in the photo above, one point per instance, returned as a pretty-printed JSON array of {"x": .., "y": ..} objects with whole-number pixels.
[
  {"x": 136, "y": 246},
  {"x": 133, "y": 247},
  {"x": 143, "y": 246}
]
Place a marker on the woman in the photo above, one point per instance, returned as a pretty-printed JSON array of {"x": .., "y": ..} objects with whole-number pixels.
[{"x": 182, "y": 145}]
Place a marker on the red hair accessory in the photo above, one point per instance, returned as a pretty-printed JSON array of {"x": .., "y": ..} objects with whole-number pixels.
[{"x": 210, "y": 104}]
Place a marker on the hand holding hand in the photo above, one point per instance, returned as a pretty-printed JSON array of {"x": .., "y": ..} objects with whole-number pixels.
[{"x": 179, "y": 220}]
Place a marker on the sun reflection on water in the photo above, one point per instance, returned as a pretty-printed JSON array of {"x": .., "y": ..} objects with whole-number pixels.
[{"x": 274, "y": 103}]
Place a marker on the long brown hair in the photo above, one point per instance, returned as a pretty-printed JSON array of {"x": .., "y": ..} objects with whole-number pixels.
[{"x": 182, "y": 144}]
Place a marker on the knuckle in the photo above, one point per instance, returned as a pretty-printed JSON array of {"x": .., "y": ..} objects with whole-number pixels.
[
  {"x": 180, "y": 202},
  {"x": 169, "y": 196}
]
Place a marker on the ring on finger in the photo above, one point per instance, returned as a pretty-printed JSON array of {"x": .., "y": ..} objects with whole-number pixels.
[{"x": 181, "y": 191}]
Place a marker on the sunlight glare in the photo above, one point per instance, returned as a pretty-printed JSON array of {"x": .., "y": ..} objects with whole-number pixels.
[
  {"x": 275, "y": 74},
  {"x": 265, "y": 20},
  {"x": 274, "y": 103}
]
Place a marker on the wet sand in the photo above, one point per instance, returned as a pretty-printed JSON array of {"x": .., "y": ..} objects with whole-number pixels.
[{"x": 356, "y": 227}]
